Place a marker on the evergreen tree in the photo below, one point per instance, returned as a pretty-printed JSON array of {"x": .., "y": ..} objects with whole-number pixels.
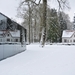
[
  {"x": 53, "y": 31},
  {"x": 63, "y": 25}
]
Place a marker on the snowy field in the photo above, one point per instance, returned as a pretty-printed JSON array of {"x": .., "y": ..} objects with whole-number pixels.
[{"x": 50, "y": 60}]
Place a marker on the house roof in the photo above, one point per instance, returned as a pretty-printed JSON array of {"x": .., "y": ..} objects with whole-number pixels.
[
  {"x": 68, "y": 33},
  {"x": 13, "y": 21}
]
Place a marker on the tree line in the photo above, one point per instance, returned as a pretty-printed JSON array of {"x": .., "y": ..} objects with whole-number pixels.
[{"x": 43, "y": 23}]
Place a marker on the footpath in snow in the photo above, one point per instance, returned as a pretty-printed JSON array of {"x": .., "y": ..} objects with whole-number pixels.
[{"x": 50, "y": 60}]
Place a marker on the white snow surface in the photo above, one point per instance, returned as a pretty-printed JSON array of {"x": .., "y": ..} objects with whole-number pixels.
[
  {"x": 50, "y": 60},
  {"x": 68, "y": 33}
]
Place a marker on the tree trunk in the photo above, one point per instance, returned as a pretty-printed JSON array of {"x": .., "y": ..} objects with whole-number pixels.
[
  {"x": 40, "y": 33},
  {"x": 43, "y": 37},
  {"x": 29, "y": 21},
  {"x": 35, "y": 31}
]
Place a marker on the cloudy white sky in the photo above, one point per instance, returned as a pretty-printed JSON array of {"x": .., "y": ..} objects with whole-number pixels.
[{"x": 9, "y": 7}]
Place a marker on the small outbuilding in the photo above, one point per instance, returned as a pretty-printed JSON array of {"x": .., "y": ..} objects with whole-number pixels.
[{"x": 68, "y": 36}]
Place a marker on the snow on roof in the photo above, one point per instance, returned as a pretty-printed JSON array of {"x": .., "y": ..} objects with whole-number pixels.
[
  {"x": 15, "y": 33},
  {"x": 68, "y": 33}
]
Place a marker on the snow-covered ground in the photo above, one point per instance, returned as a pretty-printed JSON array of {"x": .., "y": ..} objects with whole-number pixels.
[{"x": 50, "y": 60}]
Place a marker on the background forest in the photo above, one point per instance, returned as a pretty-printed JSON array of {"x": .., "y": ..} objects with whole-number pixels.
[{"x": 33, "y": 20}]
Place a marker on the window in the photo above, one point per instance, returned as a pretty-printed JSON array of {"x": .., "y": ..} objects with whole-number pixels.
[
  {"x": 65, "y": 40},
  {"x": 1, "y": 22},
  {"x": 8, "y": 34},
  {"x": 8, "y": 40},
  {"x": 73, "y": 40},
  {"x": 16, "y": 40}
]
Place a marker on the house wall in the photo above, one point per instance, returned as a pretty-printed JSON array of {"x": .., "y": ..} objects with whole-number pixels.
[
  {"x": 11, "y": 39},
  {"x": 67, "y": 40},
  {"x": 2, "y": 39},
  {"x": 7, "y": 50},
  {"x": 14, "y": 39}
]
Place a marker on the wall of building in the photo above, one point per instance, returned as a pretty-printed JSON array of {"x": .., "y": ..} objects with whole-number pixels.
[
  {"x": 10, "y": 50},
  {"x": 4, "y": 39}
]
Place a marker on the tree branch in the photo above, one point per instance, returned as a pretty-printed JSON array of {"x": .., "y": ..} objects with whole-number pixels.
[
  {"x": 31, "y": 1},
  {"x": 59, "y": 5},
  {"x": 35, "y": 2},
  {"x": 62, "y": 4}
]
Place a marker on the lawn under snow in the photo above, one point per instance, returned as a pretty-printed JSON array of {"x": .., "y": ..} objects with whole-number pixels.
[{"x": 50, "y": 60}]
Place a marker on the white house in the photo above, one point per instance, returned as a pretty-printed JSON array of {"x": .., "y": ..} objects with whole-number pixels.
[
  {"x": 10, "y": 36},
  {"x": 68, "y": 36}
]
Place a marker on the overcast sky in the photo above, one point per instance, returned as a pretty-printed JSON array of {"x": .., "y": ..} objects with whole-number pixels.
[{"x": 9, "y": 7}]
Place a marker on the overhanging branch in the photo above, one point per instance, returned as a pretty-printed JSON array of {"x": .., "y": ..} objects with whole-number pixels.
[
  {"x": 32, "y": 2},
  {"x": 62, "y": 4}
]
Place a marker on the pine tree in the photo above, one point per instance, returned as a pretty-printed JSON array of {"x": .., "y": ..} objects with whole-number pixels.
[
  {"x": 63, "y": 25},
  {"x": 53, "y": 31}
]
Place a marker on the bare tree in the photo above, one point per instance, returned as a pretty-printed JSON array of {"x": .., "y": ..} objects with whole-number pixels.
[
  {"x": 62, "y": 4},
  {"x": 29, "y": 8}
]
